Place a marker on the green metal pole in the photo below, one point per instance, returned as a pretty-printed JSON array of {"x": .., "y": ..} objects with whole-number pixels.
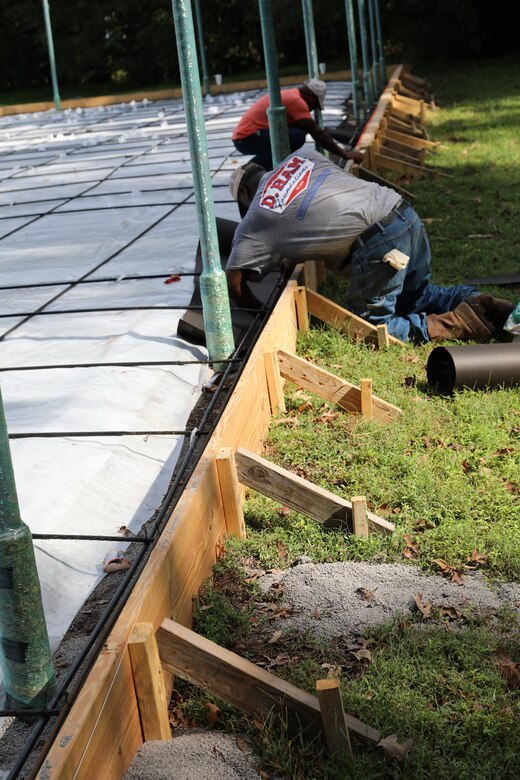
[
  {"x": 25, "y": 654},
  {"x": 52, "y": 61},
  {"x": 213, "y": 285},
  {"x": 351, "y": 31},
  {"x": 202, "y": 49},
  {"x": 381, "y": 53},
  {"x": 367, "y": 87},
  {"x": 276, "y": 113},
  {"x": 376, "y": 84},
  {"x": 312, "y": 51}
]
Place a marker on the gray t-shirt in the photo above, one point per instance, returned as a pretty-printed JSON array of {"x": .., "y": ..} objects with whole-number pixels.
[{"x": 307, "y": 209}]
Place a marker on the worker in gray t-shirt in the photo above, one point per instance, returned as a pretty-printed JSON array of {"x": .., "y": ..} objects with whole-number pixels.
[{"x": 311, "y": 209}]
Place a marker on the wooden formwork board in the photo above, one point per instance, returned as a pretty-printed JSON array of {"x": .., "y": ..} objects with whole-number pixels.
[{"x": 102, "y": 731}]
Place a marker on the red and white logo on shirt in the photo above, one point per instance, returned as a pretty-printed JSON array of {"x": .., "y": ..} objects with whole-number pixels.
[{"x": 286, "y": 183}]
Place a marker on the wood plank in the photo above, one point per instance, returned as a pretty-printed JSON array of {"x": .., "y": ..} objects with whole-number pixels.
[
  {"x": 383, "y": 339},
  {"x": 302, "y": 314},
  {"x": 398, "y": 155},
  {"x": 230, "y": 493},
  {"x": 371, "y": 129},
  {"x": 359, "y": 516},
  {"x": 300, "y": 494},
  {"x": 152, "y": 698},
  {"x": 331, "y": 387},
  {"x": 333, "y": 717},
  {"x": 409, "y": 169},
  {"x": 410, "y": 140},
  {"x": 367, "y": 406},
  {"x": 343, "y": 320},
  {"x": 274, "y": 381},
  {"x": 240, "y": 682}
]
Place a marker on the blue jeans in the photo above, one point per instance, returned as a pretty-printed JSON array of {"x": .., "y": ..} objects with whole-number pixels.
[
  {"x": 259, "y": 144},
  {"x": 401, "y": 299}
]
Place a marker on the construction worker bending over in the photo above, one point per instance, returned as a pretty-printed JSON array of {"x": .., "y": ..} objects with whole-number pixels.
[
  {"x": 251, "y": 135},
  {"x": 311, "y": 209}
]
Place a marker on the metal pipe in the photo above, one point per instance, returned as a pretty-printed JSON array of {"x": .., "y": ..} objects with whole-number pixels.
[
  {"x": 475, "y": 366},
  {"x": 213, "y": 285},
  {"x": 381, "y": 52},
  {"x": 52, "y": 61},
  {"x": 202, "y": 48},
  {"x": 312, "y": 50},
  {"x": 276, "y": 113},
  {"x": 352, "y": 47},
  {"x": 25, "y": 654},
  {"x": 374, "y": 70},
  {"x": 367, "y": 86}
]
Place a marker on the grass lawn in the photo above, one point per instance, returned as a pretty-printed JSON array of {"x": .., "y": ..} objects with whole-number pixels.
[{"x": 447, "y": 473}]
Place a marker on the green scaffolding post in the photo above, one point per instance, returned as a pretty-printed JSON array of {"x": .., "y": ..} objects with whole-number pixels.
[
  {"x": 25, "y": 654},
  {"x": 352, "y": 47},
  {"x": 202, "y": 48},
  {"x": 367, "y": 85},
  {"x": 376, "y": 83},
  {"x": 52, "y": 61},
  {"x": 381, "y": 54},
  {"x": 312, "y": 51},
  {"x": 276, "y": 113},
  {"x": 213, "y": 286}
]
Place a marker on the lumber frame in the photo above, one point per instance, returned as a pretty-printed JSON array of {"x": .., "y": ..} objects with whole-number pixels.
[
  {"x": 103, "y": 727},
  {"x": 343, "y": 320},
  {"x": 150, "y": 688},
  {"x": 334, "y": 389},
  {"x": 303, "y": 496},
  {"x": 242, "y": 683}
]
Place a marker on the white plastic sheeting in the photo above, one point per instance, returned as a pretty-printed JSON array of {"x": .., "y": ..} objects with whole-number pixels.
[{"x": 88, "y": 198}]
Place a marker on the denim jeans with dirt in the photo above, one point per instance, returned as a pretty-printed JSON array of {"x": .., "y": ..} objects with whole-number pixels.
[{"x": 401, "y": 299}]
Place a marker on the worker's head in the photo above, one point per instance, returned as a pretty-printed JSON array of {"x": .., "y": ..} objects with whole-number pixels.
[
  {"x": 244, "y": 183},
  {"x": 313, "y": 92}
]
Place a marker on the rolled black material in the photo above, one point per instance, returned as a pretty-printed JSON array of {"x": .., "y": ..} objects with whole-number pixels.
[{"x": 474, "y": 366}]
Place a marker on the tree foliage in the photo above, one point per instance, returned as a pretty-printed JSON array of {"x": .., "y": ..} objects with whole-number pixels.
[{"x": 132, "y": 42}]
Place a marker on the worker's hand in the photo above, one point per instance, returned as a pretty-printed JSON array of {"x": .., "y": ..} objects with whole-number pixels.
[{"x": 356, "y": 155}]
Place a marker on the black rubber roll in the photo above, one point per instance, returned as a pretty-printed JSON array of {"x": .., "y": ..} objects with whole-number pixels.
[{"x": 474, "y": 366}]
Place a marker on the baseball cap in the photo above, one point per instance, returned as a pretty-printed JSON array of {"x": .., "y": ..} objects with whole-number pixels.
[
  {"x": 318, "y": 88},
  {"x": 238, "y": 175}
]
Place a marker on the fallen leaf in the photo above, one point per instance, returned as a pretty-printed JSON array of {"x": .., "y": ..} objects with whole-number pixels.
[
  {"x": 283, "y": 510},
  {"x": 305, "y": 405},
  {"x": 241, "y": 745},
  {"x": 124, "y": 530},
  {"x": 454, "y": 574},
  {"x": 451, "y": 613},
  {"x": 424, "y": 609},
  {"x": 275, "y": 637},
  {"x": 367, "y": 595},
  {"x": 282, "y": 550},
  {"x": 172, "y": 278},
  {"x": 362, "y": 655},
  {"x": 410, "y": 381},
  {"x": 263, "y": 775},
  {"x": 213, "y": 712},
  {"x": 289, "y": 420},
  {"x": 394, "y": 749},
  {"x": 509, "y": 671},
  {"x": 476, "y": 558},
  {"x": 411, "y": 548}
]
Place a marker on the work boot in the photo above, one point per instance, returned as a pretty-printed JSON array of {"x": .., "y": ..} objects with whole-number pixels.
[
  {"x": 497, "y": 310},
  {"x": 467, "y": 322}
]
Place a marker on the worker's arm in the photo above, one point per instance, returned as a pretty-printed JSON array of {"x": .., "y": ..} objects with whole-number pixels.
[
  {"x": 326, "y": 141},
  {"x": 239, "y": 291}
]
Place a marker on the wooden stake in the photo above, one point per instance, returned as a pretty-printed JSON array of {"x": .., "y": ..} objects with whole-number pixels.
[
  {"x": 230, "y": 493},
  {"x": 302, "y": 315},
  {"x": 382, "y": 336},
  {"x": 274, "y": 381},
  {"x": 366, "y": 399},
  {"x": 333, "y": 717},
  {"x": 149, "y": 683},
  {"x": 359, "y": 516},
  {"x": 240, "y": 682}
]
